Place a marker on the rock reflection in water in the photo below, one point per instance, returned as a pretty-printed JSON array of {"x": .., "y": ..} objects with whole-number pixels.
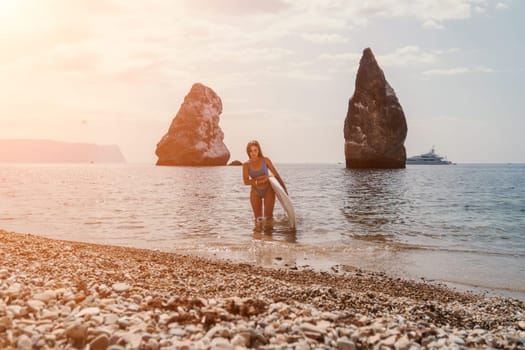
[{"x": 374, "y": 201}]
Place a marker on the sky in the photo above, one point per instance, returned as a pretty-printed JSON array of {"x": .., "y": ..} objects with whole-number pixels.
[{"x": 117, "y": 71}]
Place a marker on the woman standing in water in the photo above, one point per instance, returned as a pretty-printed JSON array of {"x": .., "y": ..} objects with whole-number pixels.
[{"x": 255, "y": 173}]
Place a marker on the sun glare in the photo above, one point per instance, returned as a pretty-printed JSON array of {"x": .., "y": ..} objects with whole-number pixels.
[
  {"x": 7, "y": 4},
  {"x": 8, "y": 8},
  {"x": 11, "y": 13}
]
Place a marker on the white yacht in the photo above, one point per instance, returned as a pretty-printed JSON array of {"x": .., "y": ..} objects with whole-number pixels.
[{"x": 430, "y": 158}]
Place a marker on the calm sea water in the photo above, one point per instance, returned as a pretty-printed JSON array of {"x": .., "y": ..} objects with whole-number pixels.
[{"x": 462, "y": 224}]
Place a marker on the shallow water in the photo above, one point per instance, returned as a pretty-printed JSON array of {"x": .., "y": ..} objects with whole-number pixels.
[{"x": 462, "y": 224}]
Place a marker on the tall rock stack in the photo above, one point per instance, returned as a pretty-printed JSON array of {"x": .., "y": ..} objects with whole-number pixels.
[
  {"x": 375, "y": 126},
  {"x": 194, "y": 137}
]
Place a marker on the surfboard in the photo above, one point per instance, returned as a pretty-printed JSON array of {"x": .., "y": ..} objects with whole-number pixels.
[{"x": 285, "y": 201}]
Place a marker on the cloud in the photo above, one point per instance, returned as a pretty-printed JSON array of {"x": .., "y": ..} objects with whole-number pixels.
[
  {"x": 237, "y": 7},
  {"x": 432, "y": 14},
  {"x": 69, "y": 58},
  {"x": 340, "y": 57},
  {"x": 502, "y": 6},
  {"x": 190, "y": 32},
  {"x": 483, "y": 69},
  {"x": 338, "y": 62},
  {"x": 431, "y": 10},
  {"x": 403, "y": 56},
  {"x": 407, "y": 56},
  {"x": 321, "y": 21},
  {"x": 449, "y": 71},
  {"x": 324, "y": 38},
  {"x": 458, "y": 71},
  {"x": 263, "y": 54},
  {"x": 432, "y": 24},
  {"x": 224, "y": 41}
]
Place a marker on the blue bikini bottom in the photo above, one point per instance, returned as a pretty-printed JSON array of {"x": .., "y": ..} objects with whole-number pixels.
[{"x": 261, "y": 191}]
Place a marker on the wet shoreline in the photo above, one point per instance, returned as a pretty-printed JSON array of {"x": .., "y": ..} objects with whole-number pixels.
[{"x": 396, "y": 260}]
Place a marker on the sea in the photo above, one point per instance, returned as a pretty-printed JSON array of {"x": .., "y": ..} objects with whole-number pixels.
[{"x": 460, "y": 225}]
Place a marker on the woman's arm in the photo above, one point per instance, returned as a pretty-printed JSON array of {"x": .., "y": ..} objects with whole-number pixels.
[
  {"x": 245, "y": 176},
  {"x": 275, "y": 173}
]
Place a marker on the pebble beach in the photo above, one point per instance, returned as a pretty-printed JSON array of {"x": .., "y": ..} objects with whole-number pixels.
[{"x": 69, "y": 295}]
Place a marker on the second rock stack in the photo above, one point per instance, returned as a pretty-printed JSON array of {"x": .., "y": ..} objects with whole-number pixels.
[{"x": 375, "y": 126}]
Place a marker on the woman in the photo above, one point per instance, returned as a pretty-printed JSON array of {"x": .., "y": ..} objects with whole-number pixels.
[{"x": 255, "y": 173}]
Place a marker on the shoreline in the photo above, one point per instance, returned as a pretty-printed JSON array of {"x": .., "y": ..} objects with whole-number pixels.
[
  {"x": 269, "y": 253},
  {"x": 55, "y": 294}
]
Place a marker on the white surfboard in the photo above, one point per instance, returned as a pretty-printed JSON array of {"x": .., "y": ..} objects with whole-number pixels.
[{"x": 285, "y": 201}]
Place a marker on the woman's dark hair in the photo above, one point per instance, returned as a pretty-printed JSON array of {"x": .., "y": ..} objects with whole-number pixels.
[{"x": 254, "y": 143}]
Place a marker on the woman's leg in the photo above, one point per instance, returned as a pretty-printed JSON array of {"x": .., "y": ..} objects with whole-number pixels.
[
  {"x": 269, "y": 203},
  {"x": 256, "y": 201}
]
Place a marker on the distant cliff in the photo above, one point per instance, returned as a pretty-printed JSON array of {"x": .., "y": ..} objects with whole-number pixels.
[{"x": 46, "y": 151}]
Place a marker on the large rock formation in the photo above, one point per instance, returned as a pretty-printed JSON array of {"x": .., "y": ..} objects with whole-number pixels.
[
  {"x": 48, "y": 151},
  {"x": 194, "y": 137},
  {"x": 375, "y": 126}
]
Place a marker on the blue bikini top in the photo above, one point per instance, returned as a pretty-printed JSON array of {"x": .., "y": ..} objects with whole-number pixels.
[{"x": 260, "y": 172}]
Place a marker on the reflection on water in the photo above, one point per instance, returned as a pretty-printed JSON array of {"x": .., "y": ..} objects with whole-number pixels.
[
  {"x": 276, "y": 229},
  {"x": 273, "y": 244},
  {"x": 374, "y": 201},
  {"x": 402, "y": 221}
]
